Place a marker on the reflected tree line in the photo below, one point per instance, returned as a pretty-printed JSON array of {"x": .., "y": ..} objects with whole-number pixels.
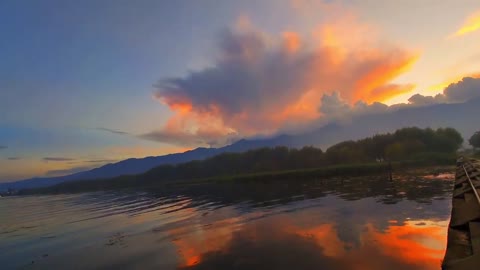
[{"x": 262, "y": 194}]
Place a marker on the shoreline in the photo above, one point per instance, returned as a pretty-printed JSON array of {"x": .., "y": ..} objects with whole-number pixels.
[{"x": 412, "y": 168}]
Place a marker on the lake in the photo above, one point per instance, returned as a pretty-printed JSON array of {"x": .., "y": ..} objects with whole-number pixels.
[{"x": 351, "y": 223}]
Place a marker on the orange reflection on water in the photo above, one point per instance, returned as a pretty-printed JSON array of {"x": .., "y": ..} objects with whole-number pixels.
[
  {"x": 422, "y": 244},
  {"x": 191, "y": 246},
  {"x": 325, "y": 236},
  {"x": 400, "y": 245}
]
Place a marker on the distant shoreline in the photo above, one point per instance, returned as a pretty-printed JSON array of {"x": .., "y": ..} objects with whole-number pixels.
[{"x": 344, "y": 170}]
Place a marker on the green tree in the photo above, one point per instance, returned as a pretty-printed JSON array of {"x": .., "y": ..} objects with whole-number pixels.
[
  {"x": 447, "y": 140},
  {"x": 475, "y": 140}
]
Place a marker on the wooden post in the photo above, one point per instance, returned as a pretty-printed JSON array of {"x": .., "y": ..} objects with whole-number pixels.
[{"x": 390, "y": 170}]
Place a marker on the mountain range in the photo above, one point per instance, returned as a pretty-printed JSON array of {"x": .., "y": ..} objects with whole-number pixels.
[{"x": 462, "y": 116}]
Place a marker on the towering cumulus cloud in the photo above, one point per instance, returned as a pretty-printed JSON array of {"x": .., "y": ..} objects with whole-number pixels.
[{"x": 259, "y": 83}]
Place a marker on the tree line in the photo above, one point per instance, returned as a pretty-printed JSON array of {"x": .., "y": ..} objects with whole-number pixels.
[
  {"x": 403, "y": 144},
  {"x": 406, "y": 144}
]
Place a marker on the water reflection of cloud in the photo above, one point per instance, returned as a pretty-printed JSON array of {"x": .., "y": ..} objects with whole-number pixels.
[
  {"x": 284, "y": 226},
  {"x": 353, "y": 227},
  {"x": 303, "y": 241}
]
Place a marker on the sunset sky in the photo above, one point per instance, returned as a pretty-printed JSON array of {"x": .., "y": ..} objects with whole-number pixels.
[{"x": 85, "y": 83}]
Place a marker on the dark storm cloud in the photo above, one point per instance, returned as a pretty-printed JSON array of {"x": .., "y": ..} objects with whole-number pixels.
[
  {"x": 246, "y": 77},
  {"x": 334, "y": 107},
  {"x": 3, "y": 147},
  {"x": 466, "y": 89},
  {"x": 14, "y": 158},
  {"x": 420, "y": 100}
]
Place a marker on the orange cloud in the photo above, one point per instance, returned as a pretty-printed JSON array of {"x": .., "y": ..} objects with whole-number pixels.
[
  {"x": 260, "y": 83},
  {"x": 292, "y": 41},
  {"x": 305, "y": 109},
  {"x": 388, "y": 91},
  {"x": 374, "y": 86},
  {"x": 470, "y": 25}
]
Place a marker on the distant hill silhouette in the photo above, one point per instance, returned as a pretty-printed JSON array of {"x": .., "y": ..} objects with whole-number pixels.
[
  {"x": 140, "y": 165},
  {"x": 462, "y": 116}
]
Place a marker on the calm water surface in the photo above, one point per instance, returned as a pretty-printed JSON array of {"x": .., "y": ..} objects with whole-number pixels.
[{"x": 358, "y": 223}]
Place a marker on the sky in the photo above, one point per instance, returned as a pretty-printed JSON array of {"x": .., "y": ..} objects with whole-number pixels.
[{"x": 86, "y": 83}]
